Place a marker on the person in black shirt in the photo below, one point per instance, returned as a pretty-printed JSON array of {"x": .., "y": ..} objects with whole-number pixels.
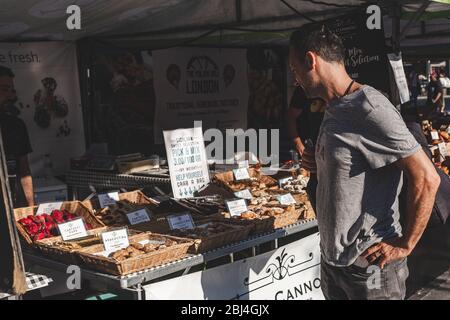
[
  {"x": 435, "y": 94},
  {"x": 304, "y": 119},
  {"x": 16, "y": 142}
]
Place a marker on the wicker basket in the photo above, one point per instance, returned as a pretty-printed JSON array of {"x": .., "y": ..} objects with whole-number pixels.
[
  {"x": 236, "y": 232},
  {"x": 135, "y": 197},
  {"x": 224, "y": 177},
  {"x": 49, "y": 247},
  {"x": 158, "y": 223},
  {"x": 267, "y": 224},
  {"x": 74, "y": 207},
  {"x": 145, "y": 261}
]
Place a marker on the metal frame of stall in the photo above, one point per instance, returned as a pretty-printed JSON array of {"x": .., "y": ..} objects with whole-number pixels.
[{"x": 130, "y": 286}]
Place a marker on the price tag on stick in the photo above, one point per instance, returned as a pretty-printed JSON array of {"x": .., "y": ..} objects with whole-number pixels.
[
  {"x": 181, "y": 221},
  {"x": 138, "y": 216},
  {"x": 115, "y": 240},
  {"x": 434, "y": 135},
  {"x": 48, "y": 207},
  {"x": 236, "y": 207},
  {"x": 108, "y": 199},
  {"x": 72, "y": 230},
  {"x": 286, "y": 199},
  {"x": 241, "y": 174},
  {"x": 244, "y": 194}
]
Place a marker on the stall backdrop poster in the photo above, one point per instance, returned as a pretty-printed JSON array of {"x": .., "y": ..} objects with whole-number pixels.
[
  {"x": 200, "y": 84},
  {"x": 48, "y": 100},
  {"x": 291, "y": 272},
  {"x": 365, "y": 50}
]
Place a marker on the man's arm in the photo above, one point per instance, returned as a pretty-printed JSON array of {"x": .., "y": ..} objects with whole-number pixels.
[
  {"x": 439, "y": 95},
  {"x": 24, "y": 174},
  {"x": 423, "y": 183},
  {"x": 292, "y": 115}
]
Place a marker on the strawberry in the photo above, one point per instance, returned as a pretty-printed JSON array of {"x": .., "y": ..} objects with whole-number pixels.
[
  {"x": 58, "y": 216},
  {"x": 32, "y": 229},
  {"x": 48, "y": 218},
  {"x": 39, "y": 236},
  {"x": 67, "y": 215},
  {"x": 26, "y": 221},
  {"x": 88, "y": 226}
]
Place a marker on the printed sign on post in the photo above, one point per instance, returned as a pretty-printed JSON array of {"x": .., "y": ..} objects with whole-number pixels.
[
  {"x": 241, "y": 174},
  {"x": 286, "y": 199},
  {"x": 236, "y": 207},
  {"x": 108, "y": 199},
  {"x": 182, "y": 221},
  {"x": 138, "y": 216},
  {"x": 72, "y": 230},
  {"x": 244, "y": 194},
  {"x": 48, "y": 207},
  {"x": 115, "y": 240}
]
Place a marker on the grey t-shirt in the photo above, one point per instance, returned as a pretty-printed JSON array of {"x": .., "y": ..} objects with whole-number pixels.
[{"x": 361, "y": 135}]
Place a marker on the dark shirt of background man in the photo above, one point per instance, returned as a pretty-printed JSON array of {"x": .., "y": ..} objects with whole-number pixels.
[{"x": 309, "y": 121}]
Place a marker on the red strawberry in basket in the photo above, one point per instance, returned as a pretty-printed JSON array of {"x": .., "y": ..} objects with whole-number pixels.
[
  {"x": 88, "y": 226},
  {"x": 35, "y": 219},
  {"x": 48, "y": 218},
  {"x": 40, "y": 236},
  {"x": 32, "y": 229},
  {"x": 26, "y": 221},
  {"x": 48, "y": 226},
  {"x": 58, "y": 216},
  {"x": 54, "y": 230},
  {"x": 68, "y": 216}
]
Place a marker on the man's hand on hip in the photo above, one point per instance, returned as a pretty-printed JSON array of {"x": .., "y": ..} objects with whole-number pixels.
[{"x": 386, "y": 252}]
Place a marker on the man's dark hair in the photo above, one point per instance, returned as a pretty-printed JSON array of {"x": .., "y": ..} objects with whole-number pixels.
[
  {"x": 319, "y": 39},
  {"x": 6, "y": 72}
]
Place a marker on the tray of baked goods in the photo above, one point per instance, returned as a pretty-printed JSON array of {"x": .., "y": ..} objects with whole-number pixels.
[
  {"x": 211, "y": 234},
  {"x": 267, "y": 217},
  {"x": 145, "y": 250},
  {"x": 254, "y": 180}
]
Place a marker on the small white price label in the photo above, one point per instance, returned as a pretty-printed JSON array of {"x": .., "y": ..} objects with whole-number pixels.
[
  {"x": 241, "y": 174},
  {"x": 180, "y": 221},
  {"x": 448, "y": 130},
  {"x": 282, "y": 181},
  {"x": 243, "y": 164},
  {"x": 434, "y": 135},
  {"x": 138, "y": 216},
  {"x": 244, "y": 194},
  {"x": 73, "y": 229},
  {"x": 237, "y": 207},
  {"x": 286, "y": 199},
  {"x": 115, "y": 240},
  {"x": 443, "y": 149},
  {"x": 48, "y": 207},
  {"x": 108, "y": 199}
]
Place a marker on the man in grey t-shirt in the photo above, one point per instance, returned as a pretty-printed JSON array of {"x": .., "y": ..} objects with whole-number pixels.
[{"x": 362, "y": 151}]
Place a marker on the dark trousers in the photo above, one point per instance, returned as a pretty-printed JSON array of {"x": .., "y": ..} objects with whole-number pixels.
[
  {"x": 364, "y": 283},
  {"x": 311, "y": 189}
]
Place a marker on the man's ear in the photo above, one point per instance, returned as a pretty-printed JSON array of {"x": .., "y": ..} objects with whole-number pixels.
[{"x": 310, "y": 60}]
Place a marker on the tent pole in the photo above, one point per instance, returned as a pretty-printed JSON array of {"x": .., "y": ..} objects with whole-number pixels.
[
  {"x": 12, "y": 270},
  {"x": 396, "y": 10},
  {"x": 419, "y": 13},
  {"x": 238, "y": 10}
]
